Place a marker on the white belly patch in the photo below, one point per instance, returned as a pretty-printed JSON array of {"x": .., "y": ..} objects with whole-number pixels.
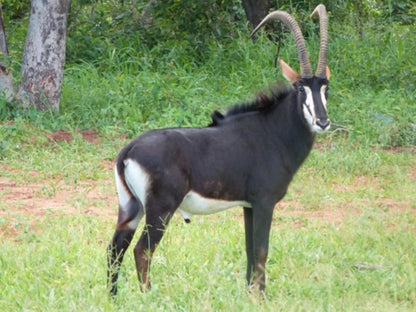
[{"x": 193, "y": 203}]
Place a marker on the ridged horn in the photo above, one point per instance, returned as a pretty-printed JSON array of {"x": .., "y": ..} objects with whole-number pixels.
[
  {"x": 288, "y": 19},
  {"x": 323, "y": 50}
]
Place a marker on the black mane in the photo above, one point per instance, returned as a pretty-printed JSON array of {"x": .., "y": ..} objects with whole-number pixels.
[{"x": 262, "y": 103}]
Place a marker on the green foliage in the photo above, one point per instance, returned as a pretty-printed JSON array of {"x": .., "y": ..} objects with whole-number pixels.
[
  {"x": 375, "y": 83},
  {"x": 179, "y": 25},
  {"x": 15, "y": 9},
  {"x": 123, "y": 78},
  {"x": 403, "y": 11},
  {"x": 127, "y": 74}
]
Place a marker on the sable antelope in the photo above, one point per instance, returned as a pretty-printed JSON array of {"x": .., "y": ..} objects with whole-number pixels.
[{"x": 246, "y": 158}]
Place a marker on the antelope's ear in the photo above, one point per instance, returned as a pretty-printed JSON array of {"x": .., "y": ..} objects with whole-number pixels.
[
  {"x": 328, "y": 72},
  {"x": 288, "y": 72}
]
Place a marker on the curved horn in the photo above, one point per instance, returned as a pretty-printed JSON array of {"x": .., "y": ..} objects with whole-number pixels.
[
  {"x": 323, "y": 50},
  {"x": 288, "y": 19}
]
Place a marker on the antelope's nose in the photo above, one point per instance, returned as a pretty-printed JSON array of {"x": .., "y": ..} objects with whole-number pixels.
[{"x": 323, "y": 123}]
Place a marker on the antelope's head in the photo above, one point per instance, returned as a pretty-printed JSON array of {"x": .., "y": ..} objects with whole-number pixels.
[{"x": 312, "y": 90}]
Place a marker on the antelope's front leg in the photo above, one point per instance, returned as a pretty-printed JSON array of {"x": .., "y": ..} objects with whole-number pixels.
[
  {"x": 262, "y": 219},
  {"x": 248, "y": 224}
]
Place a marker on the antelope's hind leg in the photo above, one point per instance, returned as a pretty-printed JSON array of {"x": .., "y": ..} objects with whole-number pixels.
[
  {"x": 157, "y": 219},
  {"x": 129, "y": 217}
]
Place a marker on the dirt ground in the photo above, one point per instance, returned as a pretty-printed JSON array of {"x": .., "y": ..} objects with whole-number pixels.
[{"x": 59, "y": 198}]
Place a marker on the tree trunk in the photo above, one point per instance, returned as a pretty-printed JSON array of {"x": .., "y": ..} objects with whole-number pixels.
[
  {"x": 256, "y": 10},
  {"x": 44, "y": 55},
  {"x": 6, "y": 78},
  {"x": 147, "y": 18},
  {"x": 3, "y": 44}
]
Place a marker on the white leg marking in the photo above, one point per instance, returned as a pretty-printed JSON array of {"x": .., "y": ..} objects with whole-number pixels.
[
  {"x": 135, "y": 222},
  {"x": 137, "y": 180}
]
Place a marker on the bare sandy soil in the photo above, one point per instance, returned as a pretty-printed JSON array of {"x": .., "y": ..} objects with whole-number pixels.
[{"x": 99, "y": 198}]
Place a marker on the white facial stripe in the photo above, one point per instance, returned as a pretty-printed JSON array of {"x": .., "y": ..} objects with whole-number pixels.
[
  {"x": 309, "y": 107},
  {"x": 137, "y": 180},
  {"x": 323, "y": 88}
]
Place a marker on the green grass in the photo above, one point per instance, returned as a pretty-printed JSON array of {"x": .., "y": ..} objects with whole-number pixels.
[
  {"x": 360, "y": 256},
  {"x": 362, "y": 261},
  {"x": 61, "y": 266},
  {"x": 128, "y": 90}
]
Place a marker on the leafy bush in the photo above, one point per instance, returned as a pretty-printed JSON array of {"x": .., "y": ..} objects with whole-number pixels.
[
  {"x": 16, "y": 9},
  {"x": 189, "y": 27},
  {"x": 129, "y": 75}
]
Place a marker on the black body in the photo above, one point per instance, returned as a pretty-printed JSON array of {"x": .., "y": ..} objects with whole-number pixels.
[
  {"x": 247, "y": 157},
  {"x": 250, "y": 154}
]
